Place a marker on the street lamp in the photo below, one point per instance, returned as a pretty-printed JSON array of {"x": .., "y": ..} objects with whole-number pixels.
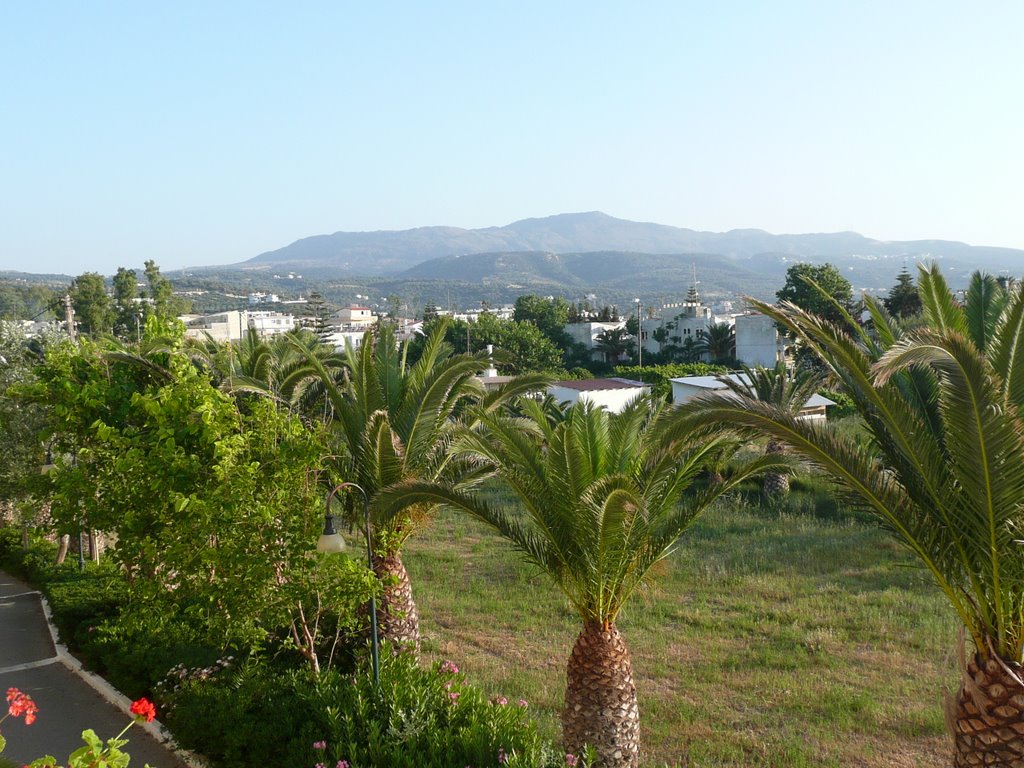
[{"x": 330, "y": 541}]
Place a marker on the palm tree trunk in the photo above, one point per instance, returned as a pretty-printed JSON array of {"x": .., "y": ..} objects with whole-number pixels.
[
  {"x": 398, "y": 621},
  {"x": 987, "y": 718},
  {"x": 600, "y": 698},
  {"x": 775, "y": 483}
]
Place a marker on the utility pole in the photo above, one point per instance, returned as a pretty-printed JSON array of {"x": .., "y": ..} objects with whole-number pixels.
[{"x": 69, "y": 316}]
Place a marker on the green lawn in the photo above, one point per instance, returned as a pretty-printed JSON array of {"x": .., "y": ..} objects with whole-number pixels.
[{"x": 792, "y": 638}]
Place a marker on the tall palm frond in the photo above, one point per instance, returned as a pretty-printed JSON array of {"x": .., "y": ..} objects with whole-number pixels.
[
  {"x": 393, "y": 423},
  {"x": 946, "y": 476},
  {"x": 604, "y": 498}
]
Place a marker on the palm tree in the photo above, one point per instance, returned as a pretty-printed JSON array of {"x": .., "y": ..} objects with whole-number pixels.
[
  {"x": 600, "y": 495},
  {"x": 719, "y": 341},
  {"x": 395, "y": 423},
  {"x": 945, "y": 473},
  {"x": 613, "y": 343},
  {"x": 786, "y": 390}
]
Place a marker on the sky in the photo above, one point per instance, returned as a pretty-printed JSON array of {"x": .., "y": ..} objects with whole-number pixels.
[{"x": 199, "y": 133}]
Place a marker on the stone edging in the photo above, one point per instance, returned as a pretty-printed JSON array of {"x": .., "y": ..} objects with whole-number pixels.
[{"x": 113, "y": 696}]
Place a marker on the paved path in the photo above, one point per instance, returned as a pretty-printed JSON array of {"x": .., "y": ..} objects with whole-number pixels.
[{"x": 67, "y": 703}]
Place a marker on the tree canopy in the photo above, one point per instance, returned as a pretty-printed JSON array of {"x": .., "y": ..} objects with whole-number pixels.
[{"x": 799, "y": 291}]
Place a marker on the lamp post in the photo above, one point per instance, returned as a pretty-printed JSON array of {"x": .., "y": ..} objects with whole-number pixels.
[{"x": 331, "y": 541}]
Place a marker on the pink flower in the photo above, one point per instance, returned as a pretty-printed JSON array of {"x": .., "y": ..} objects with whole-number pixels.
[
  {"x": 319, "y": 765},
  {"x": 319, "y": 745},
  {"x": 454, "y": 696},
  {"x": 523, "y": 704},
  {"x": 571, "y": 759},
  {"x": 449, "y": 667},
  {"x": 500, "y": 701},
  {"x": 502, "y": 757},
  {"x": 342, "y": 764}
]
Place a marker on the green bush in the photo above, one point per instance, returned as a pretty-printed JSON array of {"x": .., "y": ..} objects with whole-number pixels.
[
  {"x": 416, "y": 719},
  {"x": 844, "y": 405}
]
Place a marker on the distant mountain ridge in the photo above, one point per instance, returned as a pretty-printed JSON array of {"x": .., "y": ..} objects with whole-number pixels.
[{"x": 393, "y": 252}]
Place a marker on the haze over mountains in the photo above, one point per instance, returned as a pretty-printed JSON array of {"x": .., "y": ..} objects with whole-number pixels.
[{"x": 577, "y": 249}]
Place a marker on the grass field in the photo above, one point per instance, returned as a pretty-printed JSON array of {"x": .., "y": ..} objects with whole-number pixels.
[{"x": 789, "y": 637}]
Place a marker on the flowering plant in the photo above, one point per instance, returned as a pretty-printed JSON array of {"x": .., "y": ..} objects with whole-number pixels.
[
  {"x": 94, "y": 753},
  {"x": 18, "y": 705}
]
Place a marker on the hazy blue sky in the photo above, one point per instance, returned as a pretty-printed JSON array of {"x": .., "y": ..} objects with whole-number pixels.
[{"x": 207, "y": 132}]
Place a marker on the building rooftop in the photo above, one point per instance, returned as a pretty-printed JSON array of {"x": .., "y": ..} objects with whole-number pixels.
[
  {"x": 715, "y": 382},
  {"x": 593, "y": 385}
]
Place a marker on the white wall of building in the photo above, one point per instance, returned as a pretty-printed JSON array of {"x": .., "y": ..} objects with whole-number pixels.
[
  {"x": 232, "y": 325},
  {"x": 614, "y": 400},
  {"x": 758, "y": 341}
]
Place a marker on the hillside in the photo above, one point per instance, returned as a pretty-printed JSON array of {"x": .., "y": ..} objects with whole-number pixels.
[{"x": 388, "y": 253}]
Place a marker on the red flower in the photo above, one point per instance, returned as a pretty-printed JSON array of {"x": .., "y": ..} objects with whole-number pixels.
[
  {"x": 144, "y": 708},
  {"x": 19, "y": 704}
]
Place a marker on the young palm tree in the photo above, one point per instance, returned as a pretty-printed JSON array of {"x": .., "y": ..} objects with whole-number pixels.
[
  {"x": 395, "y": 423},
  {"x": 945, "y": 473},
  {"x": 719, "y": 341},
  {"x": 600, "y": 497},
  {"x": 788, "y": 391},
  {"x": 613, "y": 344}
]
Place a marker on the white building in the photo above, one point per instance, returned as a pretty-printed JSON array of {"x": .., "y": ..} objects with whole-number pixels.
[
  {"x": 614, "y": 394},
  {"x": 587, "y": 333},
  {"x": 758, "y": 341},
  {"x": 687, "y": 387},
  {"x": 338, "y": 339},
  {"x": 233, "y": 324},
  {"x": 354, "y": 314},
  {"x": 263, "y": 298},
  {"x": 673, "y": 324}
]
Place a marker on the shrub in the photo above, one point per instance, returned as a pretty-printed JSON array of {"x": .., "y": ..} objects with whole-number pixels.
[{"x": 423, "y": 718}]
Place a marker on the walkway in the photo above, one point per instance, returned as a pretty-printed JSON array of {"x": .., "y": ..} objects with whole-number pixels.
[{"x": 67, "y": 703}]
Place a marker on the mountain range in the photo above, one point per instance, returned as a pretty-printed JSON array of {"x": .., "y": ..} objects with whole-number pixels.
[
  {"x": 391, "y": 252},
  {"x": 575, "y": 252}
]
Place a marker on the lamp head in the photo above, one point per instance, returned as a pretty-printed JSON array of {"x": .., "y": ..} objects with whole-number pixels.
[{"x": 330, "y": 540}]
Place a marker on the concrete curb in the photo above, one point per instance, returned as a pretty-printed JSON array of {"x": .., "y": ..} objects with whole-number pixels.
[{"x": 113, "y": 696}]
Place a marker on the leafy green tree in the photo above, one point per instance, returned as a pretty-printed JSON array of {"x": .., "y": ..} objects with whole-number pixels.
[
  {"x": 903, "y": 300},
  {"x": 836, "y": 293},
  {"x": 943, "y": 405},
  {"x": 605, "y": 497},
  {"x": 549, "y": 315},
  {"x": 212, "y": 507},
  {"x": 523, "y": 347},
  {"x": 128, "y": 312},
  {"x": 19, "y": 301},
  {"x": 161, "y": 292},
  {"x": 394, "y": 422},
  {"x": 93, "y": 313},
  {"x": 21, "y": 449}
]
